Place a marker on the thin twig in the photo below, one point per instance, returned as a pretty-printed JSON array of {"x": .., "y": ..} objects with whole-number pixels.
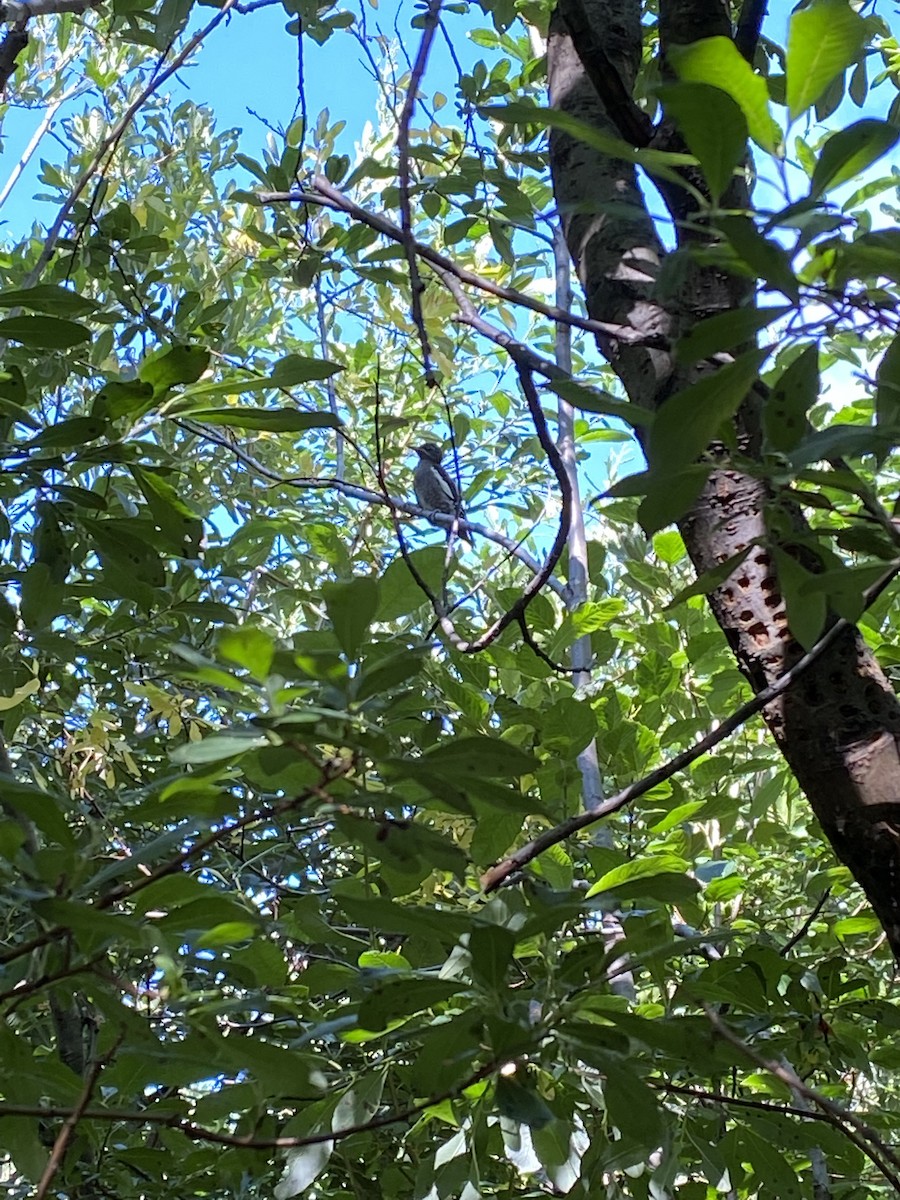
[
  {"x": 807, "y": 924},
  {"x": 248, "y": 1140},
  {"x": 890, "y": 1167}
]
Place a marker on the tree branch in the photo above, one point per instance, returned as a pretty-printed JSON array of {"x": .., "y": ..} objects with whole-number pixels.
[
  {"x": 416, "y": 286},
  {"x": 492, "y": 878},
  {"x": 326, "y": 194}
]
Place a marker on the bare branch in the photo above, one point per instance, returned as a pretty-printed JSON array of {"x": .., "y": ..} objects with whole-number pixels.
[
  {"x": 842, "y": 1117},
  {"x": 325, "y": 193}
]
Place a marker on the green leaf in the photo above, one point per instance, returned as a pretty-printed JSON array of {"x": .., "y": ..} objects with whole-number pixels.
[
  {"x": 275, "y": 420},
  {"x": 806, "y": 604},
  {"x": 250, "y": 647},
  {"x": 658, "y": 162},
  {"x": 720, "y": 145},
  {"x": 305, "y": 1165},
  {"x": 48, "y": 298},
  {"x": 632, "y": 1105},
  {"x": 172, "y": 365},
  {"x": 480, "y": 756},
  {"x": 182, "y": 528},
  {"x": 286, "y": 373},
  {"x": 491, "y": 950},
  {"x": 725, "y": 331},
  {"x": 518, "y": 1103},
  {"x": 849, "y": 152},
  {"x": 592, "y": 400},
  {"x": 217, "y": 748},
  {"x": 792, "y": 396},
  {"x": 718, "y": 62},
  {"x": 351, "y": 608},
  {"x": 766, "y": 258},
  {"x": 645, "y": 867},
  {"x": 44, "y": 333},
  {"x": 823, "y": 40},
  {"x": 687, "y": 422},
  {"x": 66, "y": 434},
  {"x": 887, "y": 392}
]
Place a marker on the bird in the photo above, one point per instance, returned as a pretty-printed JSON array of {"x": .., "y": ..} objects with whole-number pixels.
[{"x": 436, "y": 491}]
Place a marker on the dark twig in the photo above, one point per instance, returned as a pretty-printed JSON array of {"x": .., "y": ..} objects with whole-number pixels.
[
  {"x": 172, "y": 1120},
  {"x": 417, "y": 287},
  {"x": 367, "y": 496},
  {"x": 807, "y": 924},
  {"x": 790, "y": 1110},
  {"x": 749, "y": 25},
  {"x": 562, "y": 534},
  {"x": 529, "y": 640},
  {"x": 841, "y": 1117},
  {"x": 559, "y": 833}
]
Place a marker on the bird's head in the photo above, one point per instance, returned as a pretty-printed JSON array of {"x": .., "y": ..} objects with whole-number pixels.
[{"x": 430, "y": 452}]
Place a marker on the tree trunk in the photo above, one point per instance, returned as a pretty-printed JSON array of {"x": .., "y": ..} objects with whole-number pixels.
[{"x": 838, "y": 727}]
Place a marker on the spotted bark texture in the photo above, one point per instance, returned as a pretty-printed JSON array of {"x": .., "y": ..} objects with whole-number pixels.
[{"x": 838, "y": 728}]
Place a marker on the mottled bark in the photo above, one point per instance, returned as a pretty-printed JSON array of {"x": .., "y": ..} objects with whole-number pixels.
[{"x": 838, "y": 728}]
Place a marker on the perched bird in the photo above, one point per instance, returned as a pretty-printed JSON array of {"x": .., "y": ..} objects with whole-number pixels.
[{"x": 436, "y": 490}]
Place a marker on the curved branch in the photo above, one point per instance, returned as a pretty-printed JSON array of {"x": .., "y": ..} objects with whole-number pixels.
[{"x": 324, "y": 193}]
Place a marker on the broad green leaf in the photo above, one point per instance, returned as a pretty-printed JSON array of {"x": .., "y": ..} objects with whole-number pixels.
[
  {"x": 641, "y": 868},
  {"x": 286, "y": 373},
  {"x": 849, "y": 152},
  {"x": 480, "y": 756},
  {"x": 351, "y": 608},
  {"x": 275, "y": 420},
  {"x": 766, "y": 258},
  {"x": 823, "y": 40},
  {"x": 887, "y": 392},
  {"x": 792, "y": 396},
  {"x": 304, "y": 1166},
  {"x": 719, "y": 145},
  {"x": 716, "y": 61},
  {"x": 687, "y": 422},
  {"x": 633, "y": 1108},
  {"x": 182, "y": 528},
  {"x": 217, "y": 748},
  {"x": 44, "y": 333},
  {"x": 49, "y": 298},
  {"x": 490, "y": 949},
  {"x": 249, "y": 647},
  {"x": 658, "y": 162},
  {"x": 725, "y": 331},
  {"x": 172, "y": 365},
  {"x": 518, "y": 1102},
  {"x": 806, "y": 604},
  {"x": 592, "y": 400},
  {"x": 66, "y": 434}
]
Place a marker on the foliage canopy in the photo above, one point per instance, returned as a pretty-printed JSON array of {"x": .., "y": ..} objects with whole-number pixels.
[{"x": 267, "y": 730}]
